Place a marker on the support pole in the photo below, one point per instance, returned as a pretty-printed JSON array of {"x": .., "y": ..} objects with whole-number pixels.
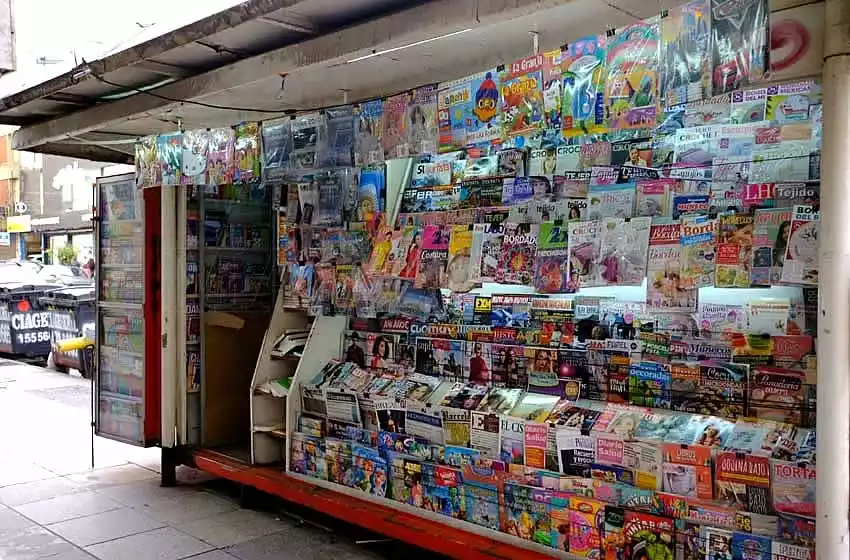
[
  {"x": 169, "y": 341},
  {"x": 833, "y": 380}
]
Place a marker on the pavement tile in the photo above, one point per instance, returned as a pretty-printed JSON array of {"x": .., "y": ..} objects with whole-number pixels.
[
  {"x": 22, "y": 472},
  {"x": 161, "y": 544},
  {"x": 64, "y": 508},
  {"x": 112, "y": 476},
  {"x": 214, "y": 555},
  {"x": 295, "y": 544},
  {"x": 183, "y": 509},
  {"x": 233, "y": 527},
  {"x": 12, "y": 521},
  {"x": 32, "y": 543},
  {"x": 102, "y": 527},
  {"x": 146, "y": 492},
  {"x": 28, "y": 492}
]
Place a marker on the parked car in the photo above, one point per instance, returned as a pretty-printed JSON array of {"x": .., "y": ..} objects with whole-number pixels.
[
  {"x": 65, "y": 275},
  {"x": 19, "y": 271}
]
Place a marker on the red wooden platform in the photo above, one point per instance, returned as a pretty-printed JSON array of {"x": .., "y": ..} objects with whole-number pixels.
[{"x": 407, "y": 527}]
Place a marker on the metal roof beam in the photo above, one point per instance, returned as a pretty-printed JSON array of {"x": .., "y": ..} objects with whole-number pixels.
[{"x": 419, "y": 23}]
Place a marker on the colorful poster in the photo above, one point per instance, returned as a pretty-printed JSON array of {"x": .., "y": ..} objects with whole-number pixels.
[
  {"x": 631, "y": 91},
  {"x": 584, "y": 75},
  {"x": 685, "y": 40},
  {"x": 522, "y": 99}
]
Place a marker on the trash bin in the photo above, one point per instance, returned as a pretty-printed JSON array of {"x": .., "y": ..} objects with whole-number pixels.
[
  {"x": 72, "y": 313},
  {"x": 24, "y": 323}
]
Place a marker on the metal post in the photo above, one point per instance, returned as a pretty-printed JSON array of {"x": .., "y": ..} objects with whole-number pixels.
[
  {"x": 169, "y": 342},
  {"x": 833, "y": 380}
]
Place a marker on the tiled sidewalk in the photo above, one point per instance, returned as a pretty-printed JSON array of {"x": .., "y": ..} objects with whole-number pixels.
[{"x": 54, "y": 507}]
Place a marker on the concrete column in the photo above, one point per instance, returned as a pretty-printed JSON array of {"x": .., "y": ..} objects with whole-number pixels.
[{"x": 833, "y": 391}]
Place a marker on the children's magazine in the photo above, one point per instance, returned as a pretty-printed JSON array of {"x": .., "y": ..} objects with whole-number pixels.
[
  {"x": 631, "y": 90},
  {"x": 623, "y": 252},
  {"x": 585, "y": 73},
  {"x": 685, "y": 60},
  {"x": 522, "y": 98}
]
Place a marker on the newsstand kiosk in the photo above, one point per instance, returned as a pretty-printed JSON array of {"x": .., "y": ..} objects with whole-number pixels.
[{"x": 205, "y": 346}]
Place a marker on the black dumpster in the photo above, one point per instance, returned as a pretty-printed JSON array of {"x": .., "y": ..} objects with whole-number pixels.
[
  {"x": 24, "y": 323},
  {"x": 71, "y": 315}
]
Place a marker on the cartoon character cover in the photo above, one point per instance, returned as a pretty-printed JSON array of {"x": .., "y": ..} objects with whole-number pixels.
[
  {"x": 522, "y": 99},
  {"x": 631, "y": 91}
]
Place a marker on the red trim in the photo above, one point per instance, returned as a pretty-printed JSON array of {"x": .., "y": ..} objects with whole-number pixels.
[
  {"x": 407, "y": 527},
  {"x": 151, "y": 308}
]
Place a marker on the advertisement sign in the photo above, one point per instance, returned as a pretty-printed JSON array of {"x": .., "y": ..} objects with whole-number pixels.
[{"x": 19, "y": 224}]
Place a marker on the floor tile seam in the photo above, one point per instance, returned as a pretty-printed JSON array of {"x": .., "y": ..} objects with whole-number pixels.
[
  {"x": 44, "y": 525},
  {"x": 165, "y": 526}
]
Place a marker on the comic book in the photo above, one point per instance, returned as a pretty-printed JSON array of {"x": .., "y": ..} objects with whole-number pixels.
[
  {"x": 486, "y": 251},
  {"x": 551, "y": 270},
  {"x": 394, "y": 127},
  {"x": 522, "y": 98},
  {"x": 664, "y": 291},
  {"x": 685, "y": 60},
  {"x": 740, "y": 43},
  {"x": 585, "y": 536},
  {"x": 772, "y": 227},
  {"x": 194, "y": 158},
  {"x": 734, "y": 251},
  {"x": 631, "y": 90},
  {"x": 697, "y": 239},
  {"x": 751, "y": 546},
  {"x": 526, "y": 513},
  {"x": 653, "y": 197},
  {"x": 481, "y": 485},
  {"x": 584, "y": 248},
  {"x": 434, "y": 256},
  {"x": 611, "y": 193},
  {"x": 169, "y": 151},
  {"x": 687, "y": 470},
  {"x": 743, "y": 482},
  {"x": 519, "y": 249},
  {"x": 623, "y": 251},
  {"x": 584, "y": 75},
  {"x": 777, "y": 394},
  {"x": 801, "y": 254},
  {"x": 443, "y": 492},
  {"x": 370, "y": 119},
  {"x": 647, "y": 534},
  {"x": 458, "y": 265},
  {"x": 422, "y": 121},
  {"x": 793, "y": 488}
]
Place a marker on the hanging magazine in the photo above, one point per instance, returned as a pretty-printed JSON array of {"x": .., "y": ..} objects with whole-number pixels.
[
  {"x": 369, "y": 132},
  {"x": 685, "y": 40},
  {"x": 552, "y": 267},
  {"x": 307, "y": 131},
  {"x": 623, "y": 253},
  {"x": 740, "y": 45},
  {"x": 770, "y": 239},
  {"x": 169, "y": 151},
  {"x": 519, "y": 248},
  {"x": 338, "y": 150},
  {"x": 801, "y": 254},
  {"x": 435, "y": 254},
  {"x": 247, "y": 152},
  {"x": 584, "y": 247},
  {"x": 664, "y": 291},
  {"x": 522, "y": 98},
  {"x": 734, "y": 251},
  {"x": 394, "y": 127},
  {"x": 277, "y": 146},
  {"x": 631, "y": 90},
  {"x": 486, "y": 251},
  {"x": 195, "y": 149},
  {"x": 584, "y": 76},
  {"x": 468, "y": 111},
  {"x": 697, "y": 238},
  {"x": 552, "y": 75},
  {"x": 422, "y": 121}
]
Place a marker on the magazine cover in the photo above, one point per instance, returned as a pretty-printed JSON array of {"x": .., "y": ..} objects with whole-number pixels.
[
  {"x": 584, "y": 248},
  {"x": 542, "y": 163},
  {"x": 511, "y": 163},
  {"x": 748, "y": 105},
  {"x": 593, "y": 154},
  {"x": 697, "y": 239},
  {"x": 664, "y": 291},
  {"x": 793, "y": 488},
  {"x": 687, "y": 470},
  {"x": 338, "y": 150},
  {"x": 648, "y": 535},
  {"x": 722, "y": 388},
  {"x": 649, "y": 385},
  {"x": 431, "y": 171},
  {"x": 434, "y": 256},
  {"x": 740, "y": 43},
  {"x": 568, "y": 159},
  {"x": 653, "y": 197},
  {"x": 734, "y": 251},
  {"x": 307, "y": 131},
  {"x": 371, "y": 195},
  {"x": 718, "y": 543},
  {"x": 777, "y": 394},
  {"x": 519, "y": 249},
  {"x": 572, "y": 186},
  {"x": 468, "y": 111},
  {"x": 685, "y": 60},
  {"x": 623, "y": 251},
  {"x": 684, "y": 384},
  {"x": 631, "y": 90},
  {"x": 611, "y": 194},
  {"x": 550, "y": 275},
  {"x": 477, "y": 193},
  {"x": 516, "y": 190},
  {"x": 786, "y": 550},
  {"x": 394, "y": 127},
  {"x": 634, "y": 153},
  {"x": 486, "y": 251},
  {"x": 801, "y": 254},
  {"x": 458, "y": 267},
  {"x": 422, "y": 121},
  {"x": 585, "y": 536},
  {"x": 743, "y": 482},
  {"x": 481, "y": 485},
  {"x": 194, "y": 159},
  {"x": 584, "y": 76},
  {"x": 370, "y": 120},
  {"x": 522, "y": 98},
  {"x": 169, "y": 151},
  {"x": 535, "y": 407},
  {"x": 771, "y": 231}
]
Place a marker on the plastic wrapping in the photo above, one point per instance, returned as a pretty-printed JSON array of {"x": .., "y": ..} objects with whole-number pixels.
[
  {"x": 308, "y": 134},
  {"x": 246, "y": 150},
  {"x": 422, "y": 121},
  {"x": 584, "y": 75},
  {"x": 631, "y": 90},
  {"x": 368, "y": 149},
  {"x": 169, "y": 151},
  {"x": 740, "y": 46},
  {"x": 277, "y": 146},
  {"x": 394, "y": 127},
  {"x": 148, "y": 168},
  {"x": 685, "y": 70},
  {"x": 338, "y": 150},
  {"x": 220, "y": 156},
  {"x": 196, "y": 145},
  {"x": 522, "y": 100}
]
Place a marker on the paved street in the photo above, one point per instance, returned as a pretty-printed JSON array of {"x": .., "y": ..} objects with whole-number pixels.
[{"x": 54, "y": 506}]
